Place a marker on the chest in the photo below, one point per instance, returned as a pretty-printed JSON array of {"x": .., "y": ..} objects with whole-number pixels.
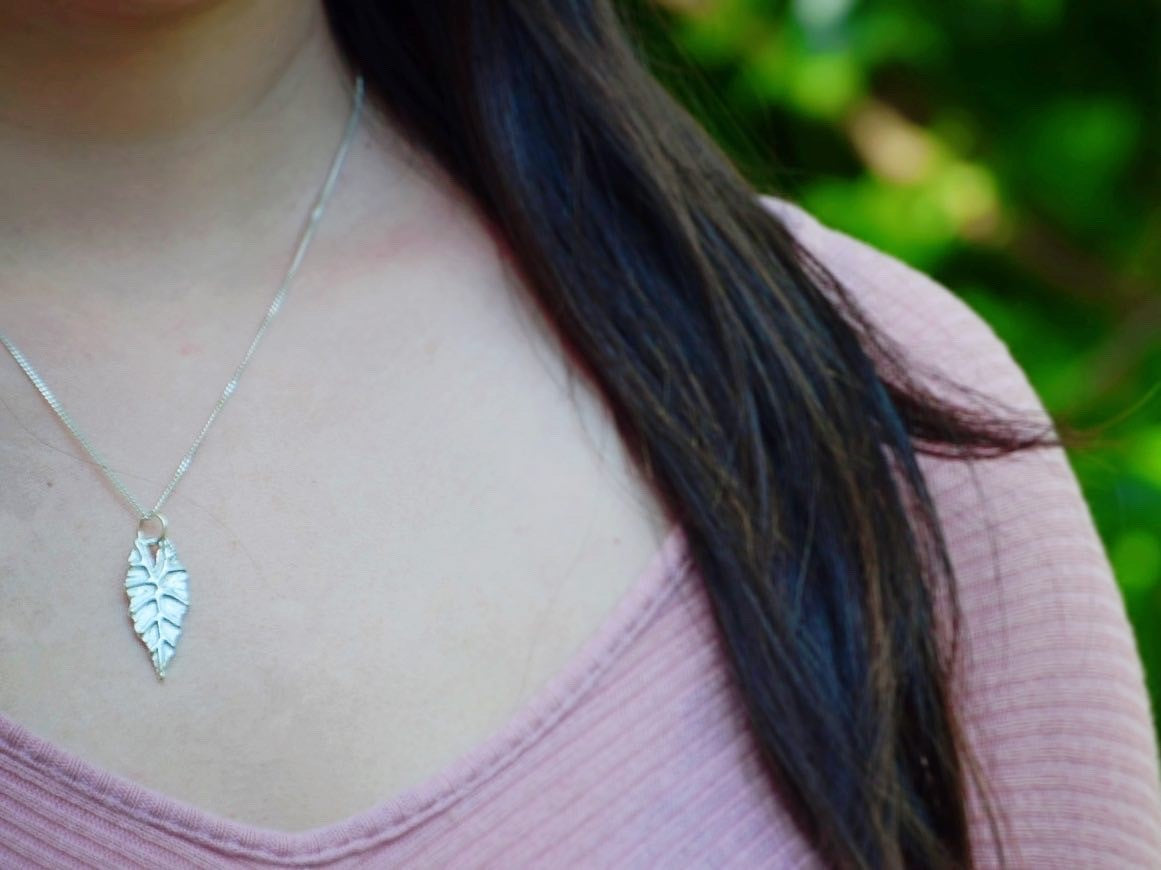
[{"x": 404, "y": 522}]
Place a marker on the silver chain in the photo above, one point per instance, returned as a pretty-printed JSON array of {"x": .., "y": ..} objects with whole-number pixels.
[{"x": 303, "y": 243}]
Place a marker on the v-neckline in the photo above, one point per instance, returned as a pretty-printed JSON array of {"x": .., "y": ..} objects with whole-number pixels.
[{"x": 120, "y": 797}]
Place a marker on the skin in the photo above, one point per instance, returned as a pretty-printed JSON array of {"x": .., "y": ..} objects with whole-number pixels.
[{"x": 409, "y": 516}]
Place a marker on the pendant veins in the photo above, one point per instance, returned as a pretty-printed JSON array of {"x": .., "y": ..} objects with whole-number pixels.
[{"x": 158, "y": 588}]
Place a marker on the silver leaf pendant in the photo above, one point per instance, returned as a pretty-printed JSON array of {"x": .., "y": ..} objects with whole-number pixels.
[{"x": 158, "y": 589}]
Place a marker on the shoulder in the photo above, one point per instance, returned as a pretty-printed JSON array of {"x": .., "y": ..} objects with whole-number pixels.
[
  {"x": 940, "y": 333},
  {"x": 1049, "y": 684}
]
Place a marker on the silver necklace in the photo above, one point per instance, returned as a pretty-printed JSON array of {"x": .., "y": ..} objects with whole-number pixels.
[{"x": 157, "y": 583}]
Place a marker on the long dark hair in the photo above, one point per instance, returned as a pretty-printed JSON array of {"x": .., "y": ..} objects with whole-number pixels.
[{"x": 778, "y": 426}]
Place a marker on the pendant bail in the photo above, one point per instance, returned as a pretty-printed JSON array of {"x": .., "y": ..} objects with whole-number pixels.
[{"x": 154, "y": 515}]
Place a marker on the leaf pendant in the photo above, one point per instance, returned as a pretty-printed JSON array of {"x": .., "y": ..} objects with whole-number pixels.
[{"x": 158, "y": 589}]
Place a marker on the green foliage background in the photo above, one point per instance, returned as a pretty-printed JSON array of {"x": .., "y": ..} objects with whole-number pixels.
[{"x": 1009, "y": 148}]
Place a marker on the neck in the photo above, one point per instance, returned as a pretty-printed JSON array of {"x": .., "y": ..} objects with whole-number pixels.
[{"x": 171, "y": 126}]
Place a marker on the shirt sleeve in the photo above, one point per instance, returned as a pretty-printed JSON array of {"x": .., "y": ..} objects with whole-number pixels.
[{"x": 1050, "y": 685}]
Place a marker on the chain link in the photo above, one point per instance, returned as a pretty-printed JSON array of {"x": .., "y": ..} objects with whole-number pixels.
[{"x": 304, "y": 241}]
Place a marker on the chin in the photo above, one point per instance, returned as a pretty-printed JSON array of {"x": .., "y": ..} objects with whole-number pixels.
[{"x": 135, "y": 9}]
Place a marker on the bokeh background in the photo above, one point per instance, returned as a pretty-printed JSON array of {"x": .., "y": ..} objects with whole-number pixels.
[{"x": 1009, "y": 148}]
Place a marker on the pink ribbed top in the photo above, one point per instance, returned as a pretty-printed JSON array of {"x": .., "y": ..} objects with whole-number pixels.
[{"x": 636, "y": 753}]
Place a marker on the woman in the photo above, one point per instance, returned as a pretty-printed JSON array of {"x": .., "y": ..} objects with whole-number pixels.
[{"x": 580, "y": 507}]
